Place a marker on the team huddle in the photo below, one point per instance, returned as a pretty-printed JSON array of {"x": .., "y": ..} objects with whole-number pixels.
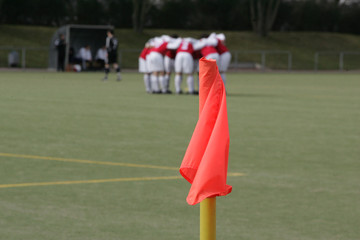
[{"x": 166, "y": 54}]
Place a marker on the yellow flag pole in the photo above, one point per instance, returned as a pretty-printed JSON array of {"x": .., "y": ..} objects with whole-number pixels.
[{"x": 208, "y": 219}]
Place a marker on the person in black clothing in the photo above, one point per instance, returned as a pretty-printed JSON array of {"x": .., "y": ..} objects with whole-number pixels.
[
  {"x": 61, "y": 48},
  {"x": 111, "y": 47}
]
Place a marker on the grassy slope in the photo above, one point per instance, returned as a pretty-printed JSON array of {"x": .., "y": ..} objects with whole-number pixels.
[
  {"x": 296, "y": 137},
  {"x": 303, "y": 45}
]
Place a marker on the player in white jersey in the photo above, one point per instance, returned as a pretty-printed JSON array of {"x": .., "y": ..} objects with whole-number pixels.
[
  {"x": 184, "y": 64},
  {"x": 143, "y": 67},
  {"x": 208, "y": 50},
  {"x": 225, "y": 56},
  {"x": 111, "y": 46},
  {"x": 169, "y": 63},
  {"x": 155, "y": 63}
]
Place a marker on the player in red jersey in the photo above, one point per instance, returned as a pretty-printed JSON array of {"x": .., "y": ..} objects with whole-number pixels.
[
  {"x": 208, "y": 50},
  {"x": 143, "y": 67},
  {"x": 225, "y": 56},
  {"x": 155, "y": 63},
  {"x": 197, "y": 55},
  {"x": 184, "y": 64},
  {"x": 169, "y": 63}
]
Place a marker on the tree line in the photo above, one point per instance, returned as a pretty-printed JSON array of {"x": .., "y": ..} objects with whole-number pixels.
[{"x": 261, "y": 16}]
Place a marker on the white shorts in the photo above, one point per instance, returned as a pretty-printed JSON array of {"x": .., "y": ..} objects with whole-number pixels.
[
  {"x": 142, "y": 66},
  {"x": 184, "y": 63},
  {"x": 155, "y": 62},
  {"x": 169, "y": 64},
  {"x": 214, "y": 56},
  {"x": 224, "y": 61}
]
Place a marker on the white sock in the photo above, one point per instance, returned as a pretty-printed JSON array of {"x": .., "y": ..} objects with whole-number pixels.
[
  {"x": 167, "y": 81},
  {"x": 162, "y": 83},
  {"x": 178, "y": 81},
  {"x": 147, "y": 82},
  {"x": 190, "y": 83},
  {"x": 154, "y": 83}
]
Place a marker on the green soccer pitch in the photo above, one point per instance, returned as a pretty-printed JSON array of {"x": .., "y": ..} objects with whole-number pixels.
[{"x": 84, "y": 159}]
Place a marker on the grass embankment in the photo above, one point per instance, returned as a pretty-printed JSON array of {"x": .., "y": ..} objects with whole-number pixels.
[{"x": 302, "y": 45}]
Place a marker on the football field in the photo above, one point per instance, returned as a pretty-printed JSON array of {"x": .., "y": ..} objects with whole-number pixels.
[{"x": 83, "y": 159}]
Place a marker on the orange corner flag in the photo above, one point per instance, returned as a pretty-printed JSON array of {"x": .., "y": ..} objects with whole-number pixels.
[{"x": 206, "y": 159}]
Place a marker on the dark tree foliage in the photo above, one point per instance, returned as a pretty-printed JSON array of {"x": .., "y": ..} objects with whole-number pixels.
[
  {"x": 310, "y": 15},
  {"x": 349, "y": 20},
  {"x": 38, "y": 12},
  {"x": 119, "y": 13},
  {"x": 172, "y": 14},
  {"x": 304, "y": 15},
  {"x": 201, "y": 14},
  {"x": 60, "y": 12},
  {"x": 90, "y": 12},
  {"x": 139, "y": 14},
  {"x": 222, "y": 14},
  {"x": 263, "y": 15}
]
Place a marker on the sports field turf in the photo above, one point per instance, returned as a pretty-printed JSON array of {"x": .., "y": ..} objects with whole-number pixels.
[{"x": 81, "y": 159}]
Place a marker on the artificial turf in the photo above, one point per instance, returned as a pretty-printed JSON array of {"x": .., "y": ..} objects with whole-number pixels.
[{"x": 295, "y": 137}]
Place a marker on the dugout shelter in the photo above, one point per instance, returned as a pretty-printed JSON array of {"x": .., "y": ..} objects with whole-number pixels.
[{"x": 77, "y": 36}]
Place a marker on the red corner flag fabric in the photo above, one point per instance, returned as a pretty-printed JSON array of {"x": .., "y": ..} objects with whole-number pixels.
[{"x": 206, "y": 158}]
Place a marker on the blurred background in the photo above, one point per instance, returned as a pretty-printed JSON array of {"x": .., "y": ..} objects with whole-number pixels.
[
  {"x": 86, "y": 159},
  {"x": 261, "y": 34}
]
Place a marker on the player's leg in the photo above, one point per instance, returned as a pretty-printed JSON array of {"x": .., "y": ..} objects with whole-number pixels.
[
  {"x": 168, "y": 65},
  {"x": 151, "y": 66},
  {"x": 157, "y": 61},
  {"x": 162, "y": 82},
  {"x": 167, "y": 82},
  {"x": 144, "y": 69},
  {"x": 162, "y": 79},
  {"x": 188, "y": 66},
  {"x": 224, "y": 61},
  {"x": 178, "y": 73},
  {"x": 155, "y": 82},
  {"x": 147, "y": 82},
  {"x": 107, "y": 70},
  {"x": 178, "y": 80},
  {"x": 190, "y": 83},
  {"x": 117, "y": 69}
]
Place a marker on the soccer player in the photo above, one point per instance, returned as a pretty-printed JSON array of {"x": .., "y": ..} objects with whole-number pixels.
[
  {"x": 111, "y": 47},
  {"x": 225, "y": 56},
  {"x": 208, "y": 50},
  {"x": 184, "y": 64},
  {"x": 197, "y": 55},
  {"x": 60, "y": 45},
  {"x": 155, "y": 63},
  {"x": 169, "y": 63},
  {"x": 143, "y": 67}
]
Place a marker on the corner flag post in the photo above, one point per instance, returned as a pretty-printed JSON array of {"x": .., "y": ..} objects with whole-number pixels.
[
  {"x": 208, "y": 205},
  {"x": 208, "y": 219},
  {"x": 206, "y": 158}
]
